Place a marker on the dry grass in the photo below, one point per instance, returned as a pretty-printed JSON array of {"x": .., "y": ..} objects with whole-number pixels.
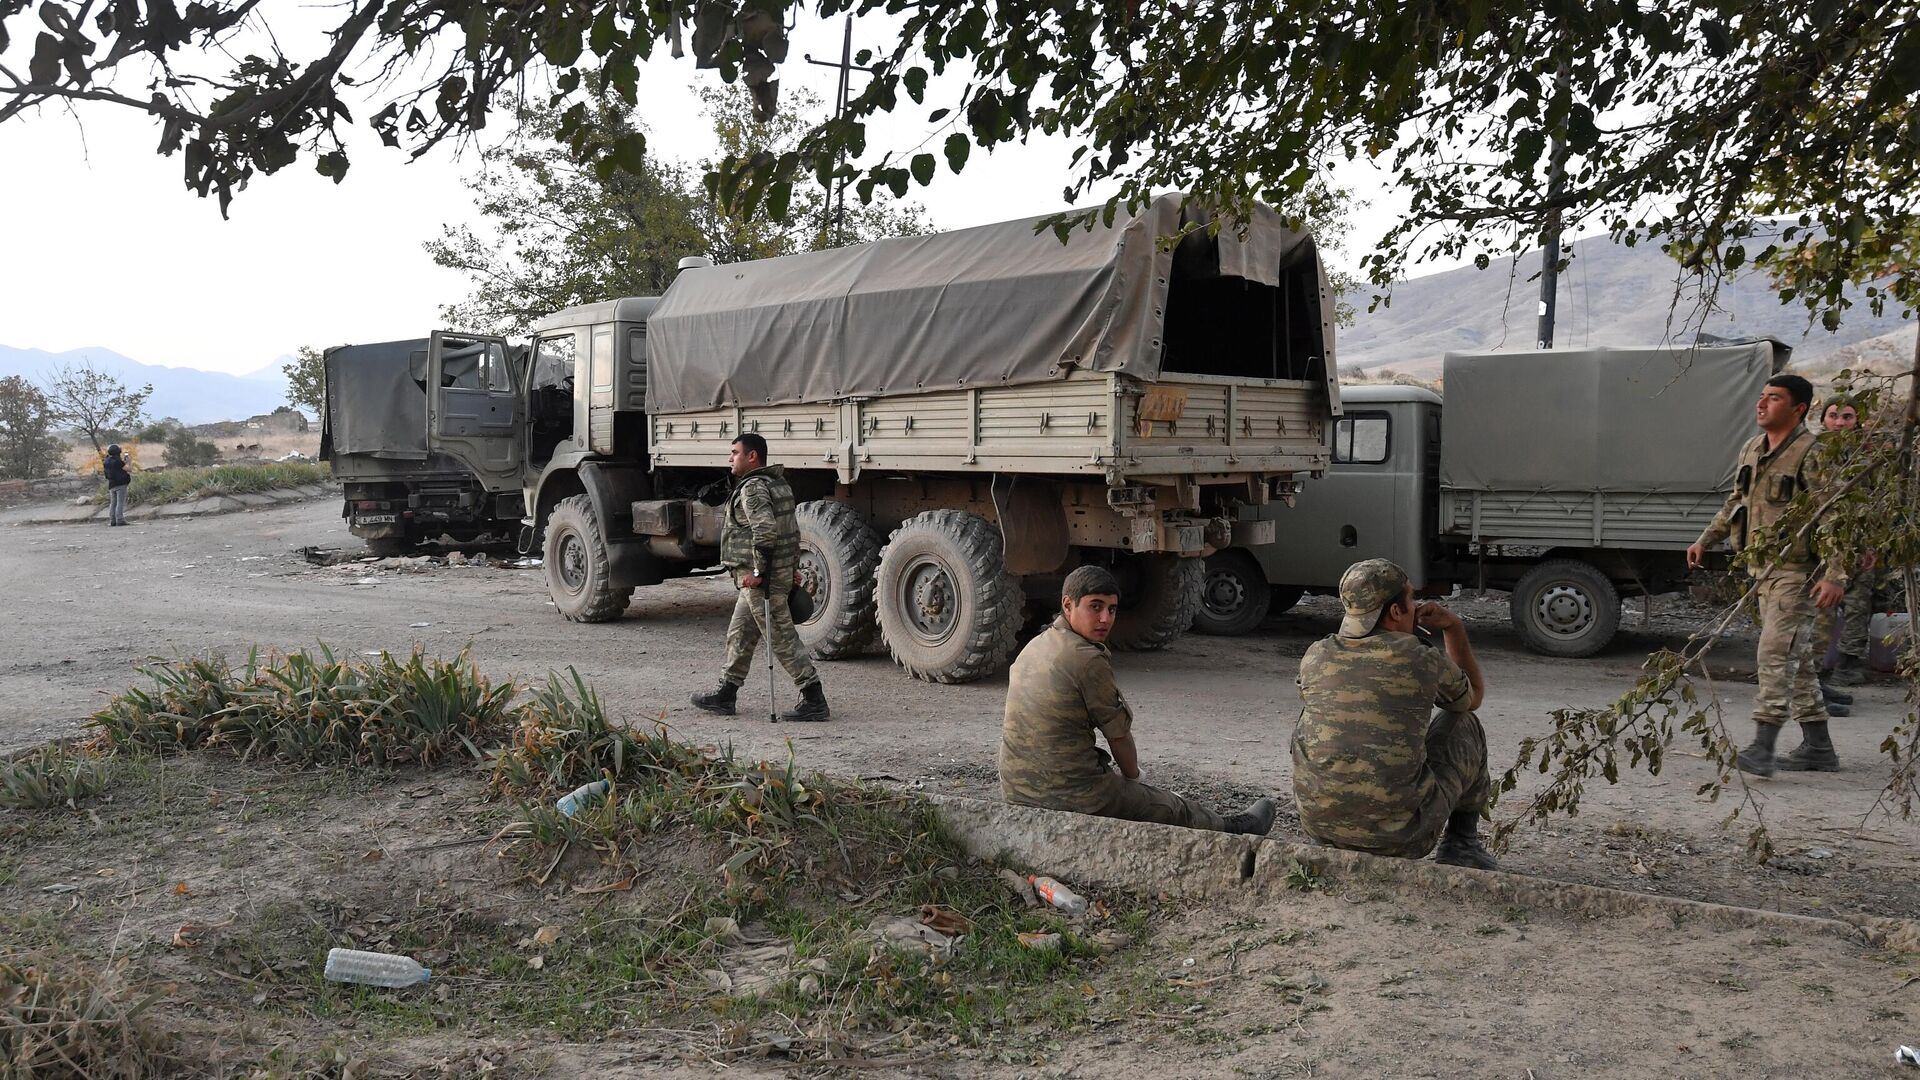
[{"x": 58, "y": 1022}]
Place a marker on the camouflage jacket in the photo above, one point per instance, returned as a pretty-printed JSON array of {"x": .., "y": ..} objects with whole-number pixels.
[
  {"x": 1360, "y": 772},
  {"x": 1764, "y": 485},
  {"x": 1059, "y": 692},
  {"x": 761, "y": 534}
]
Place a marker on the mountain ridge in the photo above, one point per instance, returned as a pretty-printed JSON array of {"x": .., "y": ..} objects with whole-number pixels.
[{"x": 190, "y": 395}]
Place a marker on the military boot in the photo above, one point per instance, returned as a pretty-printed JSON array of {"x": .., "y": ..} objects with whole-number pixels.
[
  {"x": 1460, "y": 844},
  {"x": 1255, "y": 820},
  {"x": 1757, "y": 758},
  {"x": 812, "y": 707},
  {"x": 1834, "y": 696},
  {"x": 1835, "y": 708},
  {"x": 1815, "y": 752},
  {"x": 718, "y": 701},
  {"x": 1850, "y": 671}
]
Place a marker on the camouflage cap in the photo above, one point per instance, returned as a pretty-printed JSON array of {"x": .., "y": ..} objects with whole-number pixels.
[{"x": 1365, "y": 588}]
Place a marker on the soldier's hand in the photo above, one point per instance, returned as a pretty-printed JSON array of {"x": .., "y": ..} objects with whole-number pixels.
[
  {"x": 1434, "y": 617},
  {"x": 1826, "y": 594},
  {"x": 751, "y": 581},
  {"x": 1695, "y": 556}
]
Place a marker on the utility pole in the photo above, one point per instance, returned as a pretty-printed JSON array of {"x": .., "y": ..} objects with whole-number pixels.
[
  {"x": 1550, "y": 230},
  {"x": 833, "y": 220}
]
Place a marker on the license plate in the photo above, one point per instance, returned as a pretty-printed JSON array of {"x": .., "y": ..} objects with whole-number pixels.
[{"x": 375, "y": 519}]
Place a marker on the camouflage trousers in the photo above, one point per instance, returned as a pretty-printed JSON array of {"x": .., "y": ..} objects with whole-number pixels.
[
  {"x": 1853, "y": 615},
  {"x": 1457, "y": 766},
  {"x": 750, "y": 612},
  {"x": 1115, "y": 796},
  {"x": 1785, "y": 665}
]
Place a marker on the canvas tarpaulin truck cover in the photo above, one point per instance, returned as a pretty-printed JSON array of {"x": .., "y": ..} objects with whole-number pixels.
[
  {"x": 994, "y": 305},
  {"x": 1610, "y": 420},
  {"x": 374, "y": 404}
]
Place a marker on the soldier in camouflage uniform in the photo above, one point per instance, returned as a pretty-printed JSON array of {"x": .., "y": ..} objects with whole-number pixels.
[
  {"x": 1061, "y": 691},
  {"x": 760, "y": 546},
  {"x": 1789, "y": 577},
  {"x": 1388, "y": 756},
  {"x": 1854, "y": 613}
]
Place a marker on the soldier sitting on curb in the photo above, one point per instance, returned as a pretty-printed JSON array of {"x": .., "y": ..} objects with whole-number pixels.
[
  {"x": 1059, "y": 692},
  {"x": 1371, "y": 771}
]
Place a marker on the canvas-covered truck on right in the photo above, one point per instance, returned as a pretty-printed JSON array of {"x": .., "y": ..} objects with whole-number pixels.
[{"x": 1571, "y": 478}]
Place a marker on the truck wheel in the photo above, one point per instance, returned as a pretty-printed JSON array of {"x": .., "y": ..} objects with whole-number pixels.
[
  {"x": 1159, "y": 595},
  {"x": 947, "y": 608},
  {"x": 1565, "y": 607},
  {"x": 839, "y": 556},
  {"x": 1283, "y": 597},
  {"x": 577, "y": 564},
  {"x": 1233, "y": 595},
  {"x": 387, "y": 547}
]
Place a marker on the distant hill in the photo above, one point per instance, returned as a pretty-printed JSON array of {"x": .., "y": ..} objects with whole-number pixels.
[
  {"x": 1609, "y": 295},
  {"x": 190, "y": 395}
]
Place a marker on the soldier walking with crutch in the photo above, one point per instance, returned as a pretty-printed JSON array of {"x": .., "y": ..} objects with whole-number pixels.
[{"x": 760, "y": 546}]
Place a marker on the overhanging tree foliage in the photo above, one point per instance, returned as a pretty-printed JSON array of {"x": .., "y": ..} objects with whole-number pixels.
[{"x": 1693, "y": 124}]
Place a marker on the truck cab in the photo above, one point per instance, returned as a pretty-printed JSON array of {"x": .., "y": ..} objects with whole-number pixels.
[{"x": 1376, "y": 501}]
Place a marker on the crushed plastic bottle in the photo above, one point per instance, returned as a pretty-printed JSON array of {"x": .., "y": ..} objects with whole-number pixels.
[
  {"x": 374, "y": 969},
  {"x": 1057, "y": 894},
  {"x": 577, "y": 799}
]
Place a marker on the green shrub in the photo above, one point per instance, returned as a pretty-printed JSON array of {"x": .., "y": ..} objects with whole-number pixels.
[
  {"x": 153, "y": 487},
  {"x": 309, "y": 709},
  {"x": 49, "y": 776}
]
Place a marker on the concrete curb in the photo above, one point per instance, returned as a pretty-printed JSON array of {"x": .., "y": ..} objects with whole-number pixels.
[
  {"x": 69, "y": 514},
  {"x": 1144, "y": 857}
]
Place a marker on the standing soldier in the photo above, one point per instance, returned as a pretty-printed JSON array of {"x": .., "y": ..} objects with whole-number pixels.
[
  {"x": 760, "y": 546},
  {"x": 1777, "y": 465},
  {"x": 1061, "y": 691},
  {"x": 1388, "y": 756},
  {"x": 1854, "y": 613}
]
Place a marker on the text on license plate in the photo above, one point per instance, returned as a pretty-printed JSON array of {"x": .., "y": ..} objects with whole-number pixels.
[{"x": 375, "y": 519}]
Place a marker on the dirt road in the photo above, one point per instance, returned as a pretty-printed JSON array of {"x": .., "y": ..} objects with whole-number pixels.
[{"x": 84, "y": 605}]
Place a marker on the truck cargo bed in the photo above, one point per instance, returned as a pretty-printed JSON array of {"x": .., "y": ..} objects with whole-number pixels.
[{"x": 1085, "y": 424}]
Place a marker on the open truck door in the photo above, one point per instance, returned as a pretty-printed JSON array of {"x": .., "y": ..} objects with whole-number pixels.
[{"x": 475, "y": 407}]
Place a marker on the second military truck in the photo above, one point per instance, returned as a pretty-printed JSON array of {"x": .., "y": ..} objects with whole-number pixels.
[
  {"x": 1571, "y": 477},
  {"x": 964, "y": 417}
]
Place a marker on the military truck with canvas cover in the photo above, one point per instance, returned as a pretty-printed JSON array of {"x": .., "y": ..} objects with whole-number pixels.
[
  {"x": 1571, "y": 477},
  {"x": 373, "y": 435},
  {"x": 965, "y": 417}
]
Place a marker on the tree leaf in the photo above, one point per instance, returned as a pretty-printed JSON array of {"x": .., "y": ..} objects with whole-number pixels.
[
  {"x": 922, "y": 166},
  {"x": 958, "y": 146}
]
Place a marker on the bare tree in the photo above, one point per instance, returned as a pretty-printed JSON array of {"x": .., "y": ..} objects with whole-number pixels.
[{"x": 94, "y": 403}]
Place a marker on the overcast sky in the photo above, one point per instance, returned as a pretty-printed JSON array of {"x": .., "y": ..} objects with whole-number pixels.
[{"x": 106, "y": 247}]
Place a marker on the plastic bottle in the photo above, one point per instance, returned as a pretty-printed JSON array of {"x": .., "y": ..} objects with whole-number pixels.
[
  {"x": 374, "y": 968},
  {"x": 572, "y": 803},
  {"x": 1058, "y": 895}
]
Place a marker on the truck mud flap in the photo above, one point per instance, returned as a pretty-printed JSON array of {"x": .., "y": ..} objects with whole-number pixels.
[{"x": 613, "y": 490}]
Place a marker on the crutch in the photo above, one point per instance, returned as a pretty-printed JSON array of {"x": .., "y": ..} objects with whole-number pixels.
[{"x": 773, "y": 702}]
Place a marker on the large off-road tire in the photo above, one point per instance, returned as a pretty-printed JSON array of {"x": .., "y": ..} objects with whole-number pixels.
[
  {"x": 1565, "y": 607},
  {"x": 577, "y": 565},
  {"x": 1234, "y": 595},
  {"x": 388, "y": 547},
  {"x": 1159, "y": 595},
  {"x": 1282, "y": 598},
  {"x": 839, "y": 556},
  {"x": 948, "y": 610}
]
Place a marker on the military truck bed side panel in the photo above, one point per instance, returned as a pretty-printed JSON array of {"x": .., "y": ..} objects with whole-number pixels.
[
  {"x": 1067, "y": 427},
  {"x": 1663, "y": 520},
  {"x": 1260, "y": 425}
]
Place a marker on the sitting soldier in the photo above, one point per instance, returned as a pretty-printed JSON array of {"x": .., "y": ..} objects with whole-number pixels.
[
  {"x": 1059, "y": 692},
  {"x": 1371, "y": 772}
]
